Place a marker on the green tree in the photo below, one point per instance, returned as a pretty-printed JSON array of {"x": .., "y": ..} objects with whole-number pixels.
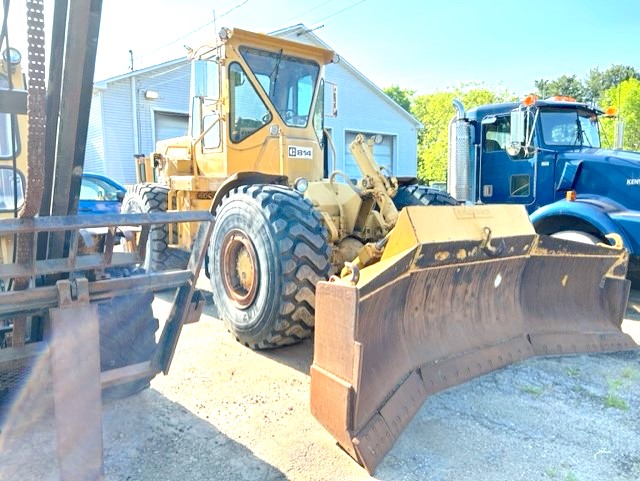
[
  {"x": 626, "y": 97},
  {"x": 542, "y": 86},
  {"x": 597, "y": 82},
  {"x": 435, "y": 111},
  {"x": 403, "y": 97},
  {"x": 565, "y": 85}
]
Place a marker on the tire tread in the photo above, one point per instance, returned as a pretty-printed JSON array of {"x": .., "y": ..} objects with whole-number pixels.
[{"x": 301, "y": 240}]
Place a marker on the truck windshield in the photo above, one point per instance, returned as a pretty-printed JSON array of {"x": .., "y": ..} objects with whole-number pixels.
[
  {"x": 288, "y": 81},
  {"x": 568, "y": 127}
]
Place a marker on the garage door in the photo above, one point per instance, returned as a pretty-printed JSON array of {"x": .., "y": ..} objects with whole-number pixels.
[
  {"x": 382, "y": 152},
  {"x": 170, "y": 125}
]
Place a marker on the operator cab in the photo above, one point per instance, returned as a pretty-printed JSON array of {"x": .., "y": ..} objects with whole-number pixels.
[{"x": 258, "y": 105}]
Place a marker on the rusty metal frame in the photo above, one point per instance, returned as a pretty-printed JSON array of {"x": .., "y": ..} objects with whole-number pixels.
[
  {"x": 446, "y": 303},
  {"x": 71, "y": 306}
]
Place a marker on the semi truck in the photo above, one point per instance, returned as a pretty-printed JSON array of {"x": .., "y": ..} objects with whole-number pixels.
[{"x": 548, "y": 155}]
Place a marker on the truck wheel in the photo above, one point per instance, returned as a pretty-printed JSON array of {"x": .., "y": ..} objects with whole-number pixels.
[
  {"x": 577, "y": 236},
  {"x": 127, "y": 336},
  {"x": 148, "y": 198},
  {"x": 409, "y": 195},
  {"x": 268, "y": 250}
]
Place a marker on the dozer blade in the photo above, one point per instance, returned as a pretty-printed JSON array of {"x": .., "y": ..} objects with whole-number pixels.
[{"x": 459, "y": 292}]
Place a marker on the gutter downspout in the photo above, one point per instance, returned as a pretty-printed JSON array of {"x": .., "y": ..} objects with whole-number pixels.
[{"x": 134, "y": 116}]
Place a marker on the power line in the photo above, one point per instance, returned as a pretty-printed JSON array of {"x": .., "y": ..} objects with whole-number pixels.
[
  {"x": 197, "y": 29},
  {"x": 234, "y": 8},
  {"x": 339, "y": 11},
  {"x": 301, "y": 14}
]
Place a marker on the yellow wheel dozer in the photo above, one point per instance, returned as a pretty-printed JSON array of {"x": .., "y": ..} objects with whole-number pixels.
[
  {"x": 458, "y": 292},
  {"x": 435, "y": 296}
]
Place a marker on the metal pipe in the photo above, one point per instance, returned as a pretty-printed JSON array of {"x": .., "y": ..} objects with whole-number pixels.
[
  {"x": 134, "y": 116},
  {"x": 461, "y": 113}
]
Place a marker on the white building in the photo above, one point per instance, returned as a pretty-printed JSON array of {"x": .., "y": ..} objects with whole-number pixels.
[{"x": 130, "y": 112}]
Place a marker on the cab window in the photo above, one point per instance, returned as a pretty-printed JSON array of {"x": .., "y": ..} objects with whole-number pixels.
[
  {"x": 496, "y": 134},
  {"x": 248, "y": 113}
]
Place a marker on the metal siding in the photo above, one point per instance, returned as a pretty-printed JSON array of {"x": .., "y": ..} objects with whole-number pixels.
[
  {"x": 94, "y": 154},
  {"x": 172, "y": 85},
  {"x": 170, "y": 125},
  {"x": 384, "y": 153},
  {"x": 118, "y": 132},
  {"x": 116, "y": 127},
  {"x": 360, "y": 109}
]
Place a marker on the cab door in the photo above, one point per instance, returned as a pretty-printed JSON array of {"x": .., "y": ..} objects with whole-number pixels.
[{"x": 502, "y": 178}]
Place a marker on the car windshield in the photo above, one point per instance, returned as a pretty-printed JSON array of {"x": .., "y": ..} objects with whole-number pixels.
[
  {"x": 569, "y": 127},
  {"x": 94, "y": 188},
  {"x": 288, "y": 81}
]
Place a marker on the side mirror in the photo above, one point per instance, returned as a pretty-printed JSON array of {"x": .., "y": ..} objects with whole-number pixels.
[
  {"x": 120, "y": 195},
  {"x": 516, "y": 147},
  {"x": 238, "y": 79},
  {"x": 517, "y": 126},
  {"x": 205, "y": 78}
]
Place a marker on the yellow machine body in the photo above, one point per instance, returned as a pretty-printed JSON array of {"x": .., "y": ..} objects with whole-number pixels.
[
  {"x": 14, "y": 121},
  {"x": 272, "y": 134}
]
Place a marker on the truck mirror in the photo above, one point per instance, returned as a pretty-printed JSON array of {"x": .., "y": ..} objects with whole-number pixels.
[
  {"x": 518, "y": 135},
  {"x": 518, "y": 126},
  {"x": 514, "y": 149}
]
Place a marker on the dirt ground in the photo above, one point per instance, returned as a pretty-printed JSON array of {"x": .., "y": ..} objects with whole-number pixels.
[{"x": 225, "y": 412}]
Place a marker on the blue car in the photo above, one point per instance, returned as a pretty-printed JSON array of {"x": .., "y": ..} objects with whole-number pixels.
[{"x": 100, "y": 195}]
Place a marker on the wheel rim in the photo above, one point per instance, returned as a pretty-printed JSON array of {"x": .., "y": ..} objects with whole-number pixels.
[{"x": 239, "y": 268}]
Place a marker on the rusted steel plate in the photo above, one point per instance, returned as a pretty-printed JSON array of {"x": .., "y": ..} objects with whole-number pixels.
[{"x": 440, "y": 313}]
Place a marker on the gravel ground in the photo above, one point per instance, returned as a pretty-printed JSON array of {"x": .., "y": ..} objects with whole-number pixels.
[{"x": 225, "y": 412}]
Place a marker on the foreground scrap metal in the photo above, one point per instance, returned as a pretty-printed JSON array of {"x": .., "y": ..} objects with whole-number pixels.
[{"x": 458, "y": 292}]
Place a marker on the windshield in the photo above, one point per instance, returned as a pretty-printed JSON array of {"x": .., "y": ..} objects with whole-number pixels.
[
  {"x": 288, "y": 81},
  {"x": 93, "y": 188},
  {"x": 570, "y": 128}
]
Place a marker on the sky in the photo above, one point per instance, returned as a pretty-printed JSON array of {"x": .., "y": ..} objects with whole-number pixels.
[{"x": 419, "y": 45}]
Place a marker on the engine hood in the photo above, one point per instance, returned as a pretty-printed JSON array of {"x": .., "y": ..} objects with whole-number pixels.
[
  {"x": 623, "y": 157},
  {"x": 614, "y": 174}
]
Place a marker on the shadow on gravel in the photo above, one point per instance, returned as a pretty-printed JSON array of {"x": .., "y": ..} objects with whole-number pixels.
[
  {"x": 297, "y": 356},
  {"x": 147, "y": 437}
]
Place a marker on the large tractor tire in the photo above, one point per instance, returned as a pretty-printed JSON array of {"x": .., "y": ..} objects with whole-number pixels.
[
  {"x": 144, "y": 199},
  {"x": 268, "y": 250},
  {"x": 409, "y": 195},
  {"x": 127, "y": 336}
]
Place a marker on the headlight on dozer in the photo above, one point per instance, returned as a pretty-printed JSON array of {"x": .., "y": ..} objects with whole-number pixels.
[
  {"x": 12, "y": 56},
  {"x": 301, "y": 184}
]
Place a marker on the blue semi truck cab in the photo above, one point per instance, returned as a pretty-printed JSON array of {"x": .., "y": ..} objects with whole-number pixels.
[{"x": 547, "y": 156}]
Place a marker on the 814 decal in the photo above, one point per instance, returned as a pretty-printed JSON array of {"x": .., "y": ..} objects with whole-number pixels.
[{"x": 300, "y": 152}]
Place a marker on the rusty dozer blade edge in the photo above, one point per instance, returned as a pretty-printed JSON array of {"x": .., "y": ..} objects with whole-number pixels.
[{"x": 459, "y": 292}]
